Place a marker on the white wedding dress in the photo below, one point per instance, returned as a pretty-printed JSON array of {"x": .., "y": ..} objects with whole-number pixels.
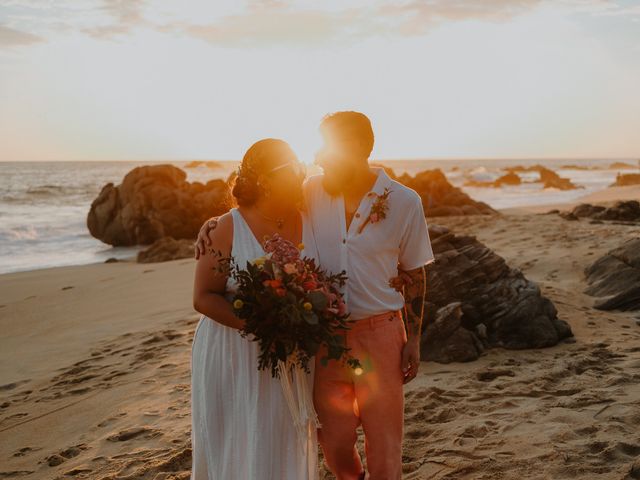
[{"x": 242, "y": 428}]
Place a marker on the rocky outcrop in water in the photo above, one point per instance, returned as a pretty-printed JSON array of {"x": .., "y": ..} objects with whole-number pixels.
[
  {"x": 615, "y": 278},
  {"x": 510, "y": 178},
  {"x": 152, "y": 202},
  {"x": 475, "y": 301},
  {"x": 625, "y": 179},
  {"x": 548, "y": 177}
]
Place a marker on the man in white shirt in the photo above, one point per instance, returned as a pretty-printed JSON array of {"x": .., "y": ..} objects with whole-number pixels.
[{"x": 370, "y": 226}]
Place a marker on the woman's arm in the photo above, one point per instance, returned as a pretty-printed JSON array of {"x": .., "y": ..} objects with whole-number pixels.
[{"x": 211, "y": 278}]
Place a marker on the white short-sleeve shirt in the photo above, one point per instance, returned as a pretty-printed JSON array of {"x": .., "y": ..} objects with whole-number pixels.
[{"x": 372, "y": 257}]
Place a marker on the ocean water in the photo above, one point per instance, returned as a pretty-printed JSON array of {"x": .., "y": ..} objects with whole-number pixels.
[{"x": 44, "y": 205}]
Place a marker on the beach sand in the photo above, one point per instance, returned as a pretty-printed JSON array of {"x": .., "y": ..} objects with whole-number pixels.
[{"x": 95, "y": 372}]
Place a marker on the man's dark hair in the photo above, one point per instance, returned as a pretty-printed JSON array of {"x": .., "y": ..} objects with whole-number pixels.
[{"x": 350, "y": 125}]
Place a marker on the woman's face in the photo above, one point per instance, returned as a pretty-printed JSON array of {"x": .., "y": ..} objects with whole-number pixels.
[{"x": 284, "y": 182}]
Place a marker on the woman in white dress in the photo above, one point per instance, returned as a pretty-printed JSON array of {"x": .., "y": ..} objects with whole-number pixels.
[{"x": 242, "y": 427}]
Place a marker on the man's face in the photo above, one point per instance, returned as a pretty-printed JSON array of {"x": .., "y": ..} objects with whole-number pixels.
[{"x": 338, "y": 158}]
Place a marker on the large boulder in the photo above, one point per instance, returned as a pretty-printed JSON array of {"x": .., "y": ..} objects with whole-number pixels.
[
  {"x": 476, "y": 301},
  {"x": 153, "y": 202},
  {"x": 440, "y": 198},
  {"x": 615, "y": 278}
]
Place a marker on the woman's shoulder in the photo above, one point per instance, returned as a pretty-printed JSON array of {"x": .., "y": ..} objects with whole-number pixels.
[{"x": 223, "y": 232}]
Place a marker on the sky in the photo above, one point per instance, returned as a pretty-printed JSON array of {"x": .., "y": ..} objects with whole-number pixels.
[{"x": 202, "y": 79}]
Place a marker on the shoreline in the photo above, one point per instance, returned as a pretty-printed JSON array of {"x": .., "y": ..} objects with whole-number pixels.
[{"x": 606, "y": 196}]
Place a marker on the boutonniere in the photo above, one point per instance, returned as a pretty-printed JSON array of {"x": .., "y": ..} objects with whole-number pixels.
[{"x": 378, "y": 209}]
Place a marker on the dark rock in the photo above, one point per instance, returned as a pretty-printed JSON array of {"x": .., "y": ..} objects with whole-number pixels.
[
  {"x": 439, "y": 197},
  {"x": 154, "y": 202},
  {"x": 568, "y": 216},
  {"x": 54, "y": 460},
  {"x": 445, "y": 340},
  {"x": 111, "y": 260},
  {"x": 165, "y": 249},
  {"x": 615, "y": 277},
  {"x": 624, "y": 211},
  {"x": 476, "y": 301}
]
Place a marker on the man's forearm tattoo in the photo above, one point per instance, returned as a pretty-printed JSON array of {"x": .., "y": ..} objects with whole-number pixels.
[{"x": 414, "y": 296}]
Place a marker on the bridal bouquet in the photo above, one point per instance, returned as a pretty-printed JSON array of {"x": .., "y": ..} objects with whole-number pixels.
[{"x": 291, "y": 308}]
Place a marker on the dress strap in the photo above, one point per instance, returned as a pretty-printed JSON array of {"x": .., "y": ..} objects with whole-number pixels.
[{"x": 243, "y": 237}]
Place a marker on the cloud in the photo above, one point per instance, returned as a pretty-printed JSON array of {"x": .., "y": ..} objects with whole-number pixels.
[
  {"x": 10, "y": 37},
  {"x": 419, "y": 16},
  {"x": 279, "y": 22},
  {"x": 267, "y": 27},
  {"x": 125, "y": 16}
]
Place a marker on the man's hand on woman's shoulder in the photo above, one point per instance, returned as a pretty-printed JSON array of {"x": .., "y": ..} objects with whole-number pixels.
[{"x": 203, "y": 240}]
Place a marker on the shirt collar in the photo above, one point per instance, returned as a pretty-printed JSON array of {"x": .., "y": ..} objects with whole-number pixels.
[{"x": 383, "y": 181}]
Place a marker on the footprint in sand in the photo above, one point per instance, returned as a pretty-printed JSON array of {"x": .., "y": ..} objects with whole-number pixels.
[
  {"x": 21, "y": 452},
  {"x": 131, "y": 433},
  {"x": 60, "y": 457}
]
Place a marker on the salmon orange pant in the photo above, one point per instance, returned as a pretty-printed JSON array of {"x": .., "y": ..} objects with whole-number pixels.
[{"x": 373, "y": 397}]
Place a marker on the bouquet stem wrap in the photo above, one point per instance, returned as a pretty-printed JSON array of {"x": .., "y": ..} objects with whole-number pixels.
[{"x": 299, "y": 399}]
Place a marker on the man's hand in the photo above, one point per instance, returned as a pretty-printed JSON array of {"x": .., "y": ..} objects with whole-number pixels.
[
  {"x": 414, "y": 297},
  {"x": 398, "y": 283},
  {"x": 411, "y": 359},
  {"x": 203, "y": 241}
]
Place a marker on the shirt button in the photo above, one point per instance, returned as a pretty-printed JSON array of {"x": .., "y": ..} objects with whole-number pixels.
[
  {"x": 357, "y": 215},
  {"x": 344, "y": 240}
]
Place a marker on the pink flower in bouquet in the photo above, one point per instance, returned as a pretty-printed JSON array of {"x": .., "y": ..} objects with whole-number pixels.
[
  {"x": 374, "y": 217},
  {"x": 281, "y": 250},
  {"x": 290, "y": 268}
]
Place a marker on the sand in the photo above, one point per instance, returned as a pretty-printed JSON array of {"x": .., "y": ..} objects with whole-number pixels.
[{"x": 95, "y": 372}]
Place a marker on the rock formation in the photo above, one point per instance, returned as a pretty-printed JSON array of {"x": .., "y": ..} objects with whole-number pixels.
[
  {"x": 622, "y": 165},
  {"x": 510, "y": 178},
  {"x": 440, "y": 198},
  {"x": 165, "y": 249},
  {"x": 615, "y": 278},
  {"x": 476, "y": 301},
  {"x": 548, "y": 177},
  {"x": 153, "y": 202},
  {"x": 622, "y": 211},
  {"x": 622, "y": 180},
  {"x": 203, "y": 163}
]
